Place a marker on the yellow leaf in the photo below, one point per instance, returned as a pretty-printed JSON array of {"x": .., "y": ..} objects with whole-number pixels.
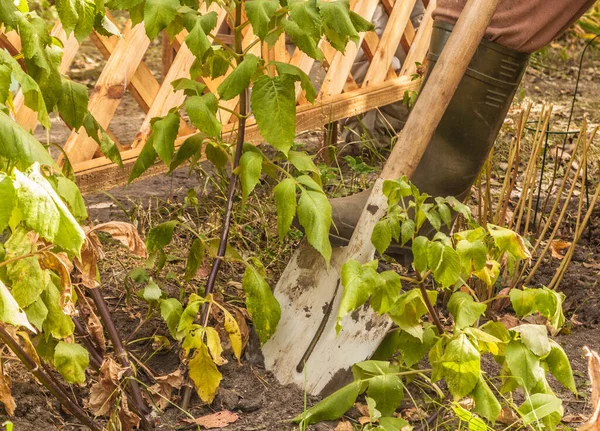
[
  {"x": 204, "y": 374},
  {"x": 6, "y": 397},
  {"x": 213, "y": 341},
  {"x": 235, "y": 336}
]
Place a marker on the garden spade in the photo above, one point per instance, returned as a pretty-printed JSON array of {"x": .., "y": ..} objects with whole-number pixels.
[{"x": 305, "y": 349}]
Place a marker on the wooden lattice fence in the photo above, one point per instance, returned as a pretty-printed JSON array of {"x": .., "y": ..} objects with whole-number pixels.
[{"x": 339, "y": 97}]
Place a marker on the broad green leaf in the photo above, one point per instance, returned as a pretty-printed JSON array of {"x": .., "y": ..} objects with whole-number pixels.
[
  {"x": 509, "y": 241},
  {"x": 489, "y": 273},
  {"x": 461, "y": 365},
  {"x": 381, "y": 237},
  {"x": 306, "y": 15},
  {"x": 190, "y": 87},
  {"x": 171, "y": 310},
  {"x": 250, "y": 170},
  {"x": 204, "y": 374},
  {"x": 7, "y": 200},
  {"x": 549, "y": 304},
  {"x": 408, "y": 310},
  {"x": 485, "y": 341},
  {"x": 44, "y": 211},
  {"x": 385, "y": 291},
  {"x": 274, "y": 105},
  {"x": 261, "y": 304},
  {"x": 338, "y": 27},
  {"x": 473, "y": 255},
  {"x": 474, "y": 423},
  {"x": 73, "y": 103},
  {"x": 559, "y": 366},
  {"x": 412, "y": 349},
  {"x": 5, "y": 81},
  {"x": 393, "y": 424},
  {"x": 27, "y": 279},
  {"x": 464, "y": 309},
  {"x": 194, "y": 260},
  {"x": 216, "y": 154},
  {"x": 314, "y": 215},
  {"x": 285, "y": 200},
  {"x": 67, "y": 13},
  {"x": 151, "y": 293},
  {"x": 189, "y": 313},
  {"x": 303, "y": 162},
  {"x": 259, "y": 14},
  {"x": 57, "y": 323},
  {"x": 20, "y": 147},
  {"x": 388, "y": 391},
  {"x": 10, "y": 312},
  {"x": 523, "y": 301},
  {"x": 435, "y": 359},
  {"x": 358, "y": 281},
  {"x": 524, "y": 365},
  {"x": 159, "y": 236},
  {"x": 420, "y": 247},
  {"x": 444, "y": 263},
  {"x": 239, "y": 79},
  {"x": 298, "y": 75},
  {"x": 70, "y": 361},
  {"x": 535, "y": 337},
  {"x": 302, "y": 40},
  {"x": 486, "y": 403},
  {"x": 366, "y": 369},
  {"x": 86, "y": 10},
  {"x": 332, "y": 407},
  {"x": 395, "y": 190},
  {"x": 202, "y": 111},
  {"x": 407, "y": 229},
  {"x": 70, "y": 193},
  {"x": 164, "y": 133},
  {"x": 197, "y": 41},
  {"x": 37, "y": 313},
  {"x": 145, "y": 159},
  {"x": 158, "y": 14},
  {"x": 538, "y": 406},
  {"x": 190, "y": 147},
  {"x": 106, "y": 144}
]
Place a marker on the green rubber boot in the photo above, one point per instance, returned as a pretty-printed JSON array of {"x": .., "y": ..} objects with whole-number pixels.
[{"x": 464, "y": 137}]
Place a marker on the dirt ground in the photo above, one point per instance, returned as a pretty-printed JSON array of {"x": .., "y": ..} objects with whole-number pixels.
[{"x": 247, "y": 389}]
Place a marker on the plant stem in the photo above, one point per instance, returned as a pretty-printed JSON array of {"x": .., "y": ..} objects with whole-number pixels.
[
  {"x": 45, "y": 380},
  {"x": 95, "y": 356},
  {"x": 113, "y": 334},
  {"x": 432, "y": 313}
]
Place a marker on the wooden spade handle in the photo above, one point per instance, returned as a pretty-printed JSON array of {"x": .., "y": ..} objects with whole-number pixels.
[{"x": 439, "y": 89}]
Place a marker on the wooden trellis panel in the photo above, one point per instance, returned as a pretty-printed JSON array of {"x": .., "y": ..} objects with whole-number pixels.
[{"x": 340, "y": 96}]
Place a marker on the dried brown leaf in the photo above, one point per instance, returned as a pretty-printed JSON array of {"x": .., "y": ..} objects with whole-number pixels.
[
  {"x": 6, "y": 397},
  {"x": 126, "y": 234},
  {"x": 414, "y": 414},
  {"x": 507, "y": 416},
  {"x": 216, "y": 420},
  {"x": 96, "y": 330},
  {"x": 344, "y": 426},
  {"x": 162, "y": 390},
  {"x": 88, "y": 264},
  {"x": 364, "y": 420},
  {"x": 594, "y": 372},
  {"x": 104, "y": 392},
  {"x": 53, "y": 262},
  {"x": 363, "y": 409},
  {"x": 570, "y": 419},
  {"x": 558, "y": 247},
  {"x": 509, "y": 321},
  {"x": 128, "y": 420}
]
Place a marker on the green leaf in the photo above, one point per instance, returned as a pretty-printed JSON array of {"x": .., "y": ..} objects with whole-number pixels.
[
  {"x": 190, "y": 147},
  {"x": 250, "y": 170},
  {"x": 314, "y": 215},
  {"x": 444, "y": 262},
  {"x": 216, "y": 154},
  {"x": 358, "y": 281},
  {"x": 302, "y": 40},
  {"x": 151, "y": 293},
  {"x": 337, "y": 24},
  {"x": 535, "y": 337},
  {"x": 145, "y": 159},
  {"x": 261, "y": 303},
  {"x": 393, "y": 424},
  {"x": 86, "y": 9},
  {"x": 538, "y": 406},
  {"x": 203, "y": 114},
  {"x": 190, "y": 87},
  {"x": 159, "y": 236},
  {"x": 473, "y": 255},
  {"x": 239, "y": 79},
  {"x": 464, "y": 309},
  {"x": 285, "y": 200},
  {"x": 303, "y": 162},
  {"x": 306, "y": 15},
  {"x": 559, "y": 366},
  {"x": 189, "y": 313},
  {"x": 204, "y": 374},
  {"x": 171, "y": 310},
  {"x": 474, "y": 423},
  {"x": 70, "y": 193},
  {"x": 164, "y": 133},
  {"x": 107, "y": 145},
  {"x": 412, "y": 349},
  {"x": 194, "y": 260},
  {"x": 70, "y": 361},
  {"x": 509, "y": 241},
  {"x": 385, "y": 291},
  {"x": 486, "y": 404},
  {"x": 57, "y": 323},
  {"x": 7, "y": 200},
  {"x": 37, "y": 314},
  {"x": 73, "y": 103},
  {"x": 158, "y": 14},
  {"x": 20, "y": 147},
  {"x": 259, "y": 14},
  {"x": 274, "y": 105},
  {"x": 10, "y": 312},
  {"x": 461, "y": 365},
  {"x": 197, "y": 41},
  {"x": 420, "y": 247},
  {"x": 408, "y": 310},
  {"x": 44, "y": 211},
  {"x": 297, "y": 74},
  {"x": 407, "y": 229},
  {"x": 524, "y": 365},
  {"x": 381, "y": 237},
  {"x": 5, "y": 81},
  {"x": 332, "y": 407},
  {"x": 388, "y": 392}
]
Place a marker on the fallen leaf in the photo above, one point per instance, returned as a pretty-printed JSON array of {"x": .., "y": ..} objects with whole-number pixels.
[
  {"x": 467, "y": 403},
  {"x": 363, "y": 409},
  {"x": 364, "y": 420},
  {"x": 162, "y": 390},
  {"x": 414, "y": 414},
  {"x": 128, "y": 420},
  {"x": 6, "y": 397},
  {"x": 569, "y": 419},
  {"x": 509, "y": 321},
  {"x": 558, "y": 247},
  {"x": 216, "y": 420},
  {"x": 594, "y": 372},
  {"x": 507, "y": 416},
  {"x": 104, "y": 392},
  {"x": 126, "y": 234},
  {"x": 344, "y": 426},
  {"x": 595, "y": 265}
]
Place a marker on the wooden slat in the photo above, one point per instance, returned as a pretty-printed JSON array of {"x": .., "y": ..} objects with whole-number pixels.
[
  {"x": 101, "y": 173},
  {"x": 420, "y": 45},
  {"x": 390, "y": 39},
  {"x": 110, "y": 88}
]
